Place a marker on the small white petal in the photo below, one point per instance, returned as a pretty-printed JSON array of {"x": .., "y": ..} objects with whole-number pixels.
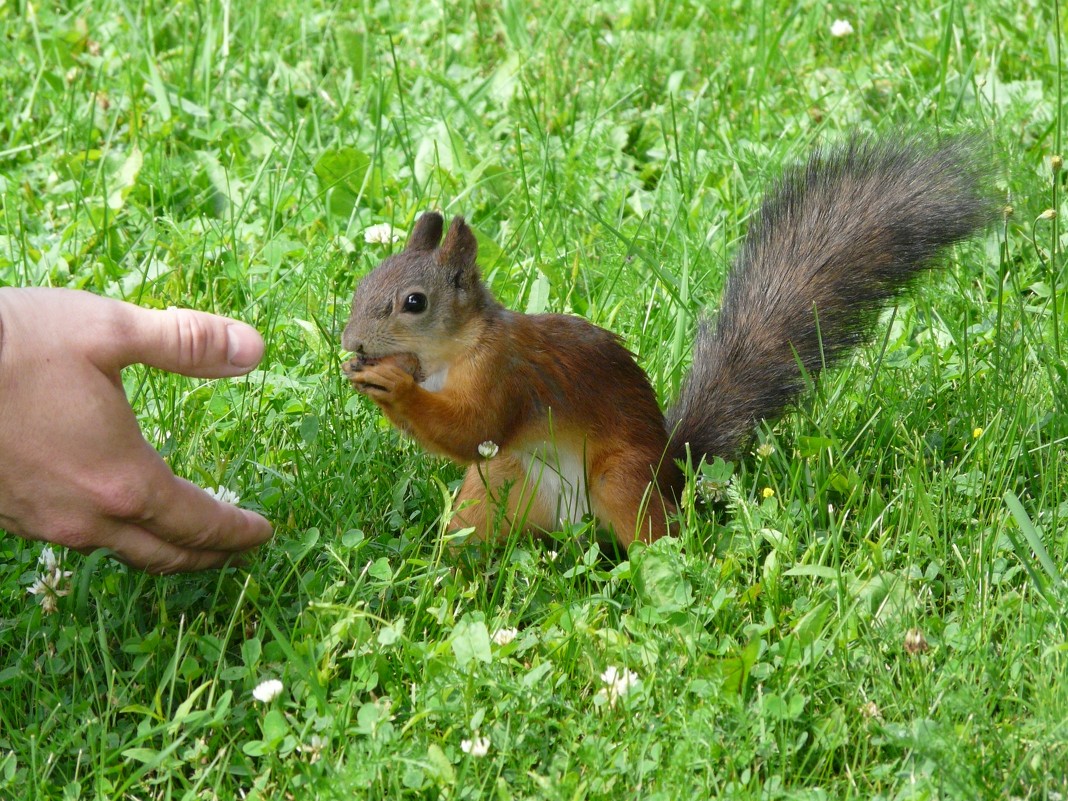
[
  {"x": 617, "y": 683},
  {"x": 476, "y": 746},
  {"x": 504, "y": 636},
  {"x": 626, "y": 681},
  {"x": 841, "y": 27},
  {"x": 267, "y": 691},
  {"x": 224, "y": 494},
  {"x": 381, "y": 234}
]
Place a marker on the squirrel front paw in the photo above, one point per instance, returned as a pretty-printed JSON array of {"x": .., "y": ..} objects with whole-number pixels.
[{"x": 383, "y": 382}]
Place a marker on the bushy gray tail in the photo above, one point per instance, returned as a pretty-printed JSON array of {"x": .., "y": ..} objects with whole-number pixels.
[{"x": 834, "y": 241}]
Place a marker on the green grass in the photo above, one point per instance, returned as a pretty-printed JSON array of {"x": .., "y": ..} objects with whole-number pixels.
[{"x": 229, "y": 156}]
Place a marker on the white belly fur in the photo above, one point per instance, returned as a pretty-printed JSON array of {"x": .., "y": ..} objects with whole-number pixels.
[
  {"x": 560, "y": 478},
  {"x": 557, "y": 475},
  {"x": 435, "y": 381}
]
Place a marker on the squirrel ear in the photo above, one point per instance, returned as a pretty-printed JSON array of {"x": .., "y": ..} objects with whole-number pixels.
[
  {"x": 460, "y": 247},
  {"x": 427, "y": 232}
]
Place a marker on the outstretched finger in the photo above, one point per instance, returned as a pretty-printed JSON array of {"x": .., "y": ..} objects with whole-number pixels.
[{"x": 185, "y": 341}]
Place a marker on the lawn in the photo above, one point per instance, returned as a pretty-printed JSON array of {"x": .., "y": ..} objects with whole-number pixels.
[{"x": 868, "y": 604}]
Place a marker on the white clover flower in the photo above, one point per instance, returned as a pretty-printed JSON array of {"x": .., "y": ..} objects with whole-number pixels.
[
  {"x": 46, "y": 595},
  {"x": 871, "y": 711},
  {"x": 765, "y": 449},
  {"x": 48, "y": 560},
  {"x": 840, "y": 28},
  {"x": 915, "y": 642},
  {"x": 619, "y": 680},
  {"x": 224, "y": 494},
  {"x": 381, "y": 234},
  {"x": 617, "y": 684},
  {"x": 709, "y": 489},
  {"x": 504, "y": 636},
  {"x": 488, "y": 449},
  {"x": 314, "y": 747},
  {"x": 267, "y": 691},
  {"x": 51, "y": 583},
  {"x": 476, "y": 746}
]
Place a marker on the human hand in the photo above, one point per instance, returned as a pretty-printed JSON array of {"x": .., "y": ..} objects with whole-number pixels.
[{"x": 74, "y": 468}]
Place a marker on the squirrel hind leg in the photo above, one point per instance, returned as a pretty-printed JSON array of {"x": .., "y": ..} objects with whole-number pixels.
[
  {"x": 498, "y": 497},
  {"x": 625, "y": 499}
]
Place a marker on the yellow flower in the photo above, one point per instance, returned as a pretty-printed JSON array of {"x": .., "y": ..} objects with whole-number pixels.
[
  {"x": 977, "y": 432},
  {"x": 768, "y": 492}
]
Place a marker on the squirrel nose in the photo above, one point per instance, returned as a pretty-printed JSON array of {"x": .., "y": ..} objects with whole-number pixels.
[{"x": 350, "y": 341}]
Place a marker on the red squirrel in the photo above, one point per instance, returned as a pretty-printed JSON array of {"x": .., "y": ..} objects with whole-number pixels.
[{"x": 552, "y": 415}]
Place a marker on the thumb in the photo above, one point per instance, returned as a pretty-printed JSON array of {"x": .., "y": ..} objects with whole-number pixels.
[{"x": 192, "y": 343}]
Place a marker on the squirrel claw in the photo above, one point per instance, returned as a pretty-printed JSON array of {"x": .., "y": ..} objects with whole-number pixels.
[{"x": 369, "y": 389}]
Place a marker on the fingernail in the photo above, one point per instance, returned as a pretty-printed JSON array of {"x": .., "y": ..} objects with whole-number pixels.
[{"x": 241, "y": 351}]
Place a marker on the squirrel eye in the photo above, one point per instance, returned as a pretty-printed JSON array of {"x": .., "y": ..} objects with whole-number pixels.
[{"x": 414, "y": 303}]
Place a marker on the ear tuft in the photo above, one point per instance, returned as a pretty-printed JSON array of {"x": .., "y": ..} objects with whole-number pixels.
[
  {"x": 427, "y": 232},
  {"x": 460, "y": 247}
]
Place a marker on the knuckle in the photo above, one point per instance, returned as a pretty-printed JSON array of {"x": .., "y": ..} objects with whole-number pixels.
[
  {"x": 185, "y": 560},
  {"x": 81, "y": 536},
  {"x": 208, "y": 537},
  {"x": 124, "y": 497},
  {"x": 165, "y": 566},
  {"x": 194, "y": 337},
  {"x": 115, "y": 324},
  {"x": 75, "y": 528}
]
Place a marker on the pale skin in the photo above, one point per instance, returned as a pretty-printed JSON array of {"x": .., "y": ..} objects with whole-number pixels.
[{"x": 74, "y": 467}]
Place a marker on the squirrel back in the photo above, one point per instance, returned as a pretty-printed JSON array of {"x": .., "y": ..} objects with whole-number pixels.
[{"x": 834, "y": 241}]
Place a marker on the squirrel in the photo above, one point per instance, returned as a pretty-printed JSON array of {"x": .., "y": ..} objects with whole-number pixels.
[{"x": 553, "y": 416}]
